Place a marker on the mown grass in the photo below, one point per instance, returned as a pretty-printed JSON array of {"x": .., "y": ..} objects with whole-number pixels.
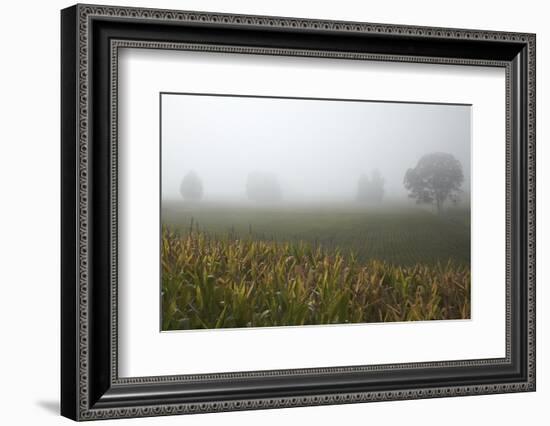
[{"x": 227, "y": 281}]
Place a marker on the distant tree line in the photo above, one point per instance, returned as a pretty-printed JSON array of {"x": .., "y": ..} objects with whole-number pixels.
[{"x": 436, "y": 178}]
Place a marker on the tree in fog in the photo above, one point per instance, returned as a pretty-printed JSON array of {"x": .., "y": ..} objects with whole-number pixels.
[
  {"x": 263, "y": 187},
  {"x": 191, "y": 187},
  {"x": 436, "y": 178},
  {"x": 370, "y": 190}
]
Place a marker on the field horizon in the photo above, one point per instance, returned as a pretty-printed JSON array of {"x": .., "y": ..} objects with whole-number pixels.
[{"x": 393, "y": 231}]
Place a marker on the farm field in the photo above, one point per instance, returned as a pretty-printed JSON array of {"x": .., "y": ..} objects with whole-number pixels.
[
  {"x": 401, "y": 234},
  {"x": 226, "y": 266}
]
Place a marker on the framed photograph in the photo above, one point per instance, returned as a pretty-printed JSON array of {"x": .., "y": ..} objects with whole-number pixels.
[{"x": 263, "y": 212}]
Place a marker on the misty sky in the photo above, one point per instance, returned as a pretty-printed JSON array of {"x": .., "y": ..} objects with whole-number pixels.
[{"x": 317, "y": 149}]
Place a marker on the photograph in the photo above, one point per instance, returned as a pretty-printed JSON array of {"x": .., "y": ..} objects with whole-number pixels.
[
  {"x": 267, "y": 209},
  {"x": 285, "y": 211}
]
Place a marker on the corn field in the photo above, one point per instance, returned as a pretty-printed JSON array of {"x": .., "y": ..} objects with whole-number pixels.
[{"x": 225, "y": 281}]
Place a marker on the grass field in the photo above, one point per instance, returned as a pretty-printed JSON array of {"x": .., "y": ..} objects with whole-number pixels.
[
  {"x": 401, "y": 234},
  {"x": 235, "y": 266}
]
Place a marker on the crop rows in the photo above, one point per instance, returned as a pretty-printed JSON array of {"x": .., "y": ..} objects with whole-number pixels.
[
  {"x": 402, "y": 235},
  {"x": 222, "y": 281}
]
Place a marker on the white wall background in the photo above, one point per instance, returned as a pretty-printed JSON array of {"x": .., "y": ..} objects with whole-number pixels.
[{"x": 29, "y": 212}]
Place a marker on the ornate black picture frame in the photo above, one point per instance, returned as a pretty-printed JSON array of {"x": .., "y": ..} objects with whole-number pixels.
[{"x": 90, "y": 38}]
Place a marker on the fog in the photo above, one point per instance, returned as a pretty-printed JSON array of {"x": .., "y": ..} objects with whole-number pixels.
[{"x": 316, "y": 149}]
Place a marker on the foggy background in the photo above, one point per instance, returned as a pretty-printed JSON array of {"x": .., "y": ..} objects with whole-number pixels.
[{"x": 317, "y": 149}]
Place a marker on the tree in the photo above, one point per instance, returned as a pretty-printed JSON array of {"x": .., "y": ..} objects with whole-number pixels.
[
  {"x": 436, "y": 178},
  {"x": 191, "y": 187},
  {"x": 370, "y": 190},
  {"x": 263, "y": 187}
]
